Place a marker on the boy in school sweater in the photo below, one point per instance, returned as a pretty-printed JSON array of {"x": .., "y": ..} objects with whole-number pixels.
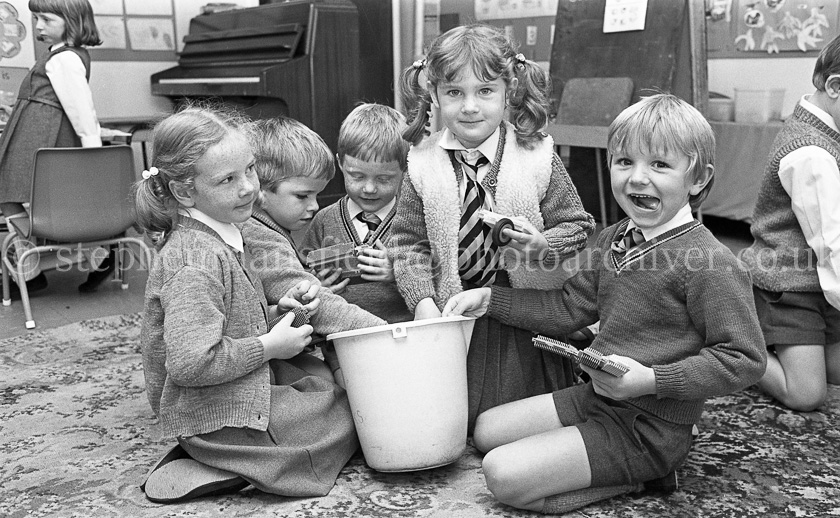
[
  {"x": 675, "y": 307},
  {"x": 372, "y": 156},
  {"x": 293, "y": 165},
  {"x": 795, "y": 256}
]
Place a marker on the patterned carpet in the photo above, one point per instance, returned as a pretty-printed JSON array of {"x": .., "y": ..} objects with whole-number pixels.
[{"x": 73, "y": 442}]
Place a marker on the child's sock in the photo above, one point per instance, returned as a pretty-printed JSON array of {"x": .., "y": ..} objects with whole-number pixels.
[{"x": 566, "y": 502}]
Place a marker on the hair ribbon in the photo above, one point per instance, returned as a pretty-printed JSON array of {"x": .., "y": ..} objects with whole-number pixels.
[
  {"x": 419, "y": 64},
  {"x": 148, "y": 173}
]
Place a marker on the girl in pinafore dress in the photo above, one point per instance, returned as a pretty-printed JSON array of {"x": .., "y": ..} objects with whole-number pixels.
[{"x": 54, "y": 107}]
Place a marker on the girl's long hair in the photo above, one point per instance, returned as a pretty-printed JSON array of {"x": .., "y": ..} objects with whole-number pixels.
[{"x": 489, "y": 54}]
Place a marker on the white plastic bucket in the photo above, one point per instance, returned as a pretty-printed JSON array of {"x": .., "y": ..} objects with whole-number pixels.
[{"x": 407, "y": 386}]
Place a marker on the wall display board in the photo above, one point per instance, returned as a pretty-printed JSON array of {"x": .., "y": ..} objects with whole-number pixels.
[
  {"x": 767, "y": 28},
  {"x": 668, "y": 55}
]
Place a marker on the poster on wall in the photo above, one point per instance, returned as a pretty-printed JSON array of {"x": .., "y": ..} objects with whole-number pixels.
[
  {"x": 16, "y": 46},
  {"x": 499, "y": 9},
  {"x": 770, "y": 27}
]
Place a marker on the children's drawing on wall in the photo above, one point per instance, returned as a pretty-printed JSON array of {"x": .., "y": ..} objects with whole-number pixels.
[
  {"x": 501, "y": 9},
  {"x": 11, "y": 39},
  {"x": 775, "y": 26}
]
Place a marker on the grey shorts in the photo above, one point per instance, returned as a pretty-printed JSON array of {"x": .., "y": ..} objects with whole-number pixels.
[
  {"x": 796, "y": 318},
  {"x": 625, "y": 444}
]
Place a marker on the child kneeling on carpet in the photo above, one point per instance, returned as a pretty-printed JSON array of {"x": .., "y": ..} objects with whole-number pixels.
[
  {"x": 215, "y": 372},
  {"x": 675, "y": 308},
  {"x": 794, "y": 258},
  {"x": 293, "y": 165}
]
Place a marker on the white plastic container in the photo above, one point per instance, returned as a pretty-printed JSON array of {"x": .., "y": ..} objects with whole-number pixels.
[
  {"x": 758, "y": 105},
  {"x": 407, "y": 386}
]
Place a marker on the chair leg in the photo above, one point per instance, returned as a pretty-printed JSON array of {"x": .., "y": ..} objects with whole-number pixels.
[
  {"x": 119, "y": 272},
  {"x": 602, "y": 197},
  {"x": 7, "y": 296},
  {"x": 24, "y": 291}
]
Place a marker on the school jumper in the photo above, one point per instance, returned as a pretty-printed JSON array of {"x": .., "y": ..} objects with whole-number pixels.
[
  {"x": 680, "y": 303},
  {"x": 38, "y": 121},
  {"x": 277, "y": 262},
  {"x": 333, "y": 225},
  {"x": 502, "y": 364},
  {"x": 282, "y": 429},
  {"x": 780, "y": 258}
]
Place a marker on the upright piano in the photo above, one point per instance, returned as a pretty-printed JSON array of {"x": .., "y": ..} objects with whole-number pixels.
[{"x": 298, "y": 58}]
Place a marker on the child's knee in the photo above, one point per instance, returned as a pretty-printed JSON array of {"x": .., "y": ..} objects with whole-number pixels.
[
  {"x": 501, "y": 479},
  {"x": 807, "y": 399},
  {"x": 482, "y": 434}
]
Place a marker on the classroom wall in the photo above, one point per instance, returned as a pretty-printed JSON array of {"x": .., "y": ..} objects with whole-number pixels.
[{"x": 724, "y": 75}]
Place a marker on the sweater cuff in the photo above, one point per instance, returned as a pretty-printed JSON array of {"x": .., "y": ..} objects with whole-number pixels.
[
  {"x": 500, "y": 303},
  {"x": 670, "y": 381},
  {"x": 416, "y": 292}
]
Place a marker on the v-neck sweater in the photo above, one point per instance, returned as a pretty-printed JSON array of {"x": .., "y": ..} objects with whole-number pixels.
[{"x": 681, "y": 304}]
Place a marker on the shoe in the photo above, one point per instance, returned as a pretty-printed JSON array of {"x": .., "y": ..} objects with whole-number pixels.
[
  {"x": 662, "y": 486},
  {"x": 98, "y": 276},
  {"x": 177, "y": 478},
  {"x": 34, "y": 285}
]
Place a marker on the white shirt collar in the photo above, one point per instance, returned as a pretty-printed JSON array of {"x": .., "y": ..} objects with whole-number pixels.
[
  {"x": 487, "y": 148},
  {"x": 819, "y": 112},
  {"x": 682, "y": 217},
  {"x": 227, "y": 231},
  {"x": 354, "y": 209}
]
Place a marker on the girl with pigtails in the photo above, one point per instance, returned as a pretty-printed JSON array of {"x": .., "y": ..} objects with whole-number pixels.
[{"x": 491, "y": 155}]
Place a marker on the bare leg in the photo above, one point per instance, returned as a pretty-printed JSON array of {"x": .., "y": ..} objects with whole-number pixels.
[
  {"x": 796, "y": 376},
  {"x": 523, "y": 473},
  {"x": 515, "y": 420}
]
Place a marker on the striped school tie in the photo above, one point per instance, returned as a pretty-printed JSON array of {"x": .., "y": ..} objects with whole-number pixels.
[
  {"x": 631, "y": 238},
  {"x": 372, "y": 221},
  {"x": 478, "y": 257}
]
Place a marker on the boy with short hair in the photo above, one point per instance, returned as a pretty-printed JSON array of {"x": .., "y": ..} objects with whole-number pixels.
[
  {"x": 675, "y": 308},
  {"x": 795, "y": 256},
  {"x": 293, "y": 165},
  {"x": 372, "y": 156}
]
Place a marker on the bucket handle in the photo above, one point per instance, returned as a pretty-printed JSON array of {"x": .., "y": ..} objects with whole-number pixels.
[{"x": 399, "y": 331}]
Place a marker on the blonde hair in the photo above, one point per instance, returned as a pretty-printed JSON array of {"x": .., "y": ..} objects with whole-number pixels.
[
  {"x": 487, "y": 51},
  {"x": 373, "y": 133},
  {"x": 179, "y": 142},
  {"x": 666, "y": 122},
  {"x": 285, "y": 148}
]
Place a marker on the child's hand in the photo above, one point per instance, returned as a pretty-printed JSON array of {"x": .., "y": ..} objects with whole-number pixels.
[
  {"x": 375, "y": 265},
  {"x": 470, "y": 303},
  {"x": 426, "y": 308},
  {"x": 284, "y": 341},
  {"x": 329, "y": 279},
  {"x": 304, "y": 294},
  {"x": 530, "y": 243},
  {"x": 638, "y": 381}
]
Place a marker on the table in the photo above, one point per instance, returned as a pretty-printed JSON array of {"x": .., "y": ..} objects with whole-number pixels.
[{"x": 740, "y": 158}]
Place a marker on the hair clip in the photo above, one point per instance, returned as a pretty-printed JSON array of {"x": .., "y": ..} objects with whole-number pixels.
[
  {"x": 152, "y": 171},
  {"x": 420, "y": 63},
  {"x": 520, "y": 58}
]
